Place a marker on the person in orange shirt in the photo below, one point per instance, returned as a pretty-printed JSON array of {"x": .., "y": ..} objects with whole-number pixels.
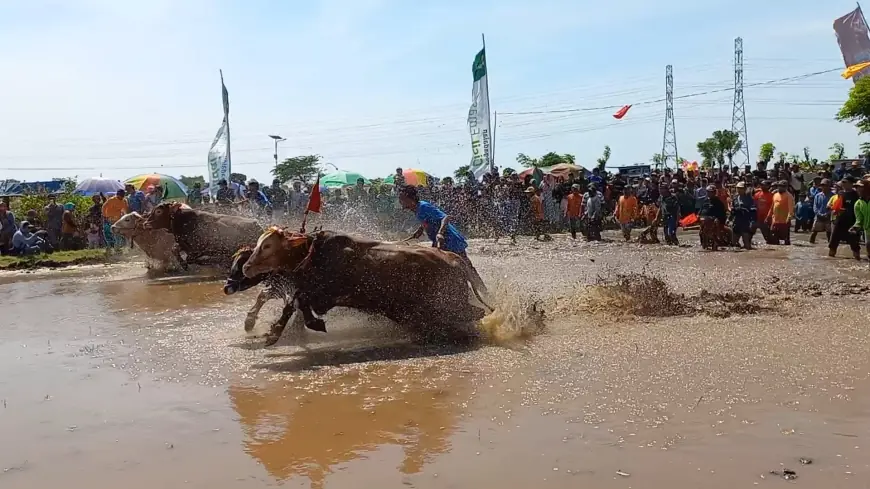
[
  {"x": 574, "y": 209},
  {"x": 538, "y": 219},
  {"x": 781, "y": 214},
  {"x": 113, "y": 209},
  {"x": 626, "y": 212},
  {"x": 763, "y": 201}
]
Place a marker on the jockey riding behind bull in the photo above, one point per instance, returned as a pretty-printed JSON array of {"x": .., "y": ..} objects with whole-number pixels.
[{"x": 443, "y": 234}]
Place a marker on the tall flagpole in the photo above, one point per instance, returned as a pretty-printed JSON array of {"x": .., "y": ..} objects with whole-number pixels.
[
  {"x": 227, "y": 117},
  {"x": 492, "y": 139},
  {"x": 485, "y": 60}
]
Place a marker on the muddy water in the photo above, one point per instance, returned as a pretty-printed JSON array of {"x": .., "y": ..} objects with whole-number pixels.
[{"x": 111, "y": 378}]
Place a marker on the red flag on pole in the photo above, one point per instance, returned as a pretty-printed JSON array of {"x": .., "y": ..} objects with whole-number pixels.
[
  {"x": 621, "y": 112},
  {"x": 314, "y": 203},
  {"x": 314, "y": 199}
]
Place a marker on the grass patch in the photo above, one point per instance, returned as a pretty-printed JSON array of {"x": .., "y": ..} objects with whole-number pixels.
[{"x": 54, "y": 260}]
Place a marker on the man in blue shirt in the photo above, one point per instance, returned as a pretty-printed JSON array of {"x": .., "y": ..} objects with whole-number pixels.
[
  {"x": 439, "y": 230},
  {"x": 822, "y": 221},
  {"x": 135, "y": 199}
]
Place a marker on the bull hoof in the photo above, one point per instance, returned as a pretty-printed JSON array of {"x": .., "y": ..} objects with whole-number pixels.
[
  {"x": 250, "y": 322},
  {"x": 316, "y": 324}
]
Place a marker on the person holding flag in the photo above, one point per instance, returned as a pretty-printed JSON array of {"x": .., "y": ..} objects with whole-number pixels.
[{"x": 437, "y": 226}]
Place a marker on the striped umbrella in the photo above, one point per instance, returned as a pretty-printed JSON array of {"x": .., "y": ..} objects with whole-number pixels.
[
  {"x": 412, "y": 177},
  {"x": 173, "y": 189}
]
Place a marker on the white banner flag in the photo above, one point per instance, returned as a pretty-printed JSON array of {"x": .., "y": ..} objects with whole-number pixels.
[
  {"x": 478, "y": 119},
  {"x": 219, "y": 159}
]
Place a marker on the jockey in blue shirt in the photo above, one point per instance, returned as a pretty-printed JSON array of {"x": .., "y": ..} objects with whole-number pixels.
[{"x": 443, "y": 234}]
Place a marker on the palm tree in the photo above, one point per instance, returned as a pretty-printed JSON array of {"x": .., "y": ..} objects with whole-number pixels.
[
  {"x": 461, "y": 173},
  {"x": 838, "y": 151},
  {"x": 657, "y": 160}
]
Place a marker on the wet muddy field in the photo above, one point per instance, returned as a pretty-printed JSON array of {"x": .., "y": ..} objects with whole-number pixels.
[{"x": 654, "y": 367}]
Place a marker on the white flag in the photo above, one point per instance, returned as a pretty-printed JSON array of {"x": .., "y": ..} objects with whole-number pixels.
[
  {"x": 478, "y": 119},
  {"x": 219, "y": 159}
]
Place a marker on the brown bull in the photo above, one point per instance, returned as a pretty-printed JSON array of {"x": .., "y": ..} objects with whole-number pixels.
[
  {"x": 201, "y": 234},
  {"x": 157, "y": 244},
  {"x": 408, "y": 284}
]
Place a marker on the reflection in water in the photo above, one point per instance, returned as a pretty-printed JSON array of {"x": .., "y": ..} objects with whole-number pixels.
[
  {"x": 309, "y": 425},
  {"x": 163, "y": 295}
]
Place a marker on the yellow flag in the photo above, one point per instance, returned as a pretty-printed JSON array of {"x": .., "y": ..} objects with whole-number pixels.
[{"x": 854, "y": 70}]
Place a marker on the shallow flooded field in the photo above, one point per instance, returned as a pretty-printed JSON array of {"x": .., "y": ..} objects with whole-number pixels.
[{"x": 110, "y": 378}]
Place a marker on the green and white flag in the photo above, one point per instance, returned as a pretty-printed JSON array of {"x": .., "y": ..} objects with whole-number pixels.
[{"x": 478, "y": 118}]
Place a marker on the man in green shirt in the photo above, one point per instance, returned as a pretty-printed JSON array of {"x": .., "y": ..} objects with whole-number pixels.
[{"x": 862, "y": 212}]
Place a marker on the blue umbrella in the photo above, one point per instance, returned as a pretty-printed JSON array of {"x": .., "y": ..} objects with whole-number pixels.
[{"x": 96, "y": 185}]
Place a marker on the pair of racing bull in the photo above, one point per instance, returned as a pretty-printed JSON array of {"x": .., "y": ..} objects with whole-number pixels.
[{"x": 315, "y": 272}]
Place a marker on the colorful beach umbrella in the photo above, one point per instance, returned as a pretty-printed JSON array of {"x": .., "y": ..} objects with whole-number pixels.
[
  {"x": 97, "y": 185},
  {"x": 341, "y": 179},
  {"x": 412, "y": 177},
  {"x": 173, "y": 189}
]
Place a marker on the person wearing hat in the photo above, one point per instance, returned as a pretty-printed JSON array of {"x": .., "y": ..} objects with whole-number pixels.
[
  {"x": 260, "y": 205},
  {"x": 855, "y": 170},
  {"x": 25, "y": 242},
  {"x": 862, "y": 213},
  {"x": 845, "y": 220},
  {"x": 781, "y": 213},
  {"x": 593, "y": 205},
  {"x": 574, "y": 209},
  {"x": 743, "y": 214},
  {"x": 822, "y": 219}
]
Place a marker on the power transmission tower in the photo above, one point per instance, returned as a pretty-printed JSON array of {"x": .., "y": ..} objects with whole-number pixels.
[
  {"x": 738, "y": 116},
  {"x": 669, "y": 144}
]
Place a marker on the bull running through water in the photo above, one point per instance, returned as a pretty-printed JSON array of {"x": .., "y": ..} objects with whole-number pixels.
[
  {"x": 424, "y": 288},
  {"x": 276, "y": 285}
]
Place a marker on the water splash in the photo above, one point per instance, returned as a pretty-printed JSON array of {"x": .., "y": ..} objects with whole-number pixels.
[{"x": 516, "y": 316}]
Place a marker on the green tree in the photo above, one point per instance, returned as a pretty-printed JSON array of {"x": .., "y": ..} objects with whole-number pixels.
[
  {"x": 303, "y": 168},
  {"x": 766, "y": 152},
  {"x": 551, "y": 159},
  {"x": 782, "y": 156},
  {"x": 856, "y": 109},
  {"x": 727, "y": 144},
  {"x": 526, "y": 160},
  {"x": 605, "y": 157},
  {"x": 189, "y": 181},
  {"x": 838, "y": 151},
  {"x": 508, "y": 172},
  {"x": 708, "y": 151},
  {"x": 461, "y": 173},
  {"x": 865, "y": 149},
  {"x": 658, "y": 159}
]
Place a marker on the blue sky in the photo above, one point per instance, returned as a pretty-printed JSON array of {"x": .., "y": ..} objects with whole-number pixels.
[{"x": 122, "y": 87}]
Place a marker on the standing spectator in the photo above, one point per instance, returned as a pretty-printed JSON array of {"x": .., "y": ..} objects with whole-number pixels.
[
  {"x": 804, "y": 215},
  {"x": 781, "y": 214},
  {"x": 94, "y": 219},
  {"x": 822, "y": 219},
  {"x": 862, "y": 213},
  {"x": 668, "y": 214},
  {"x": 593, "y": 204},
  {"x": 7, "y": 227},
  {"x": 845, "y": 220},
  {"x": 763, "y": 201},
  {"x": 113, "y": 209},
  {"x": 399, "y": 178},
  {"x": 225, "y": 197},
  {"x": 626, "y": 212},
  {"x": 194, "y": 196},
  {"x": 260, "y": 205},
  {"x": 278, "y": 197},
  {"x": 743, "y": 214},
  {"x": 53, "y": 221},
  {"x": 537, "y": 213},
  {"x": 69, "y": 234},
  {"x": 574, "y": 209},
  {"x": 135, "y": 199}
]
